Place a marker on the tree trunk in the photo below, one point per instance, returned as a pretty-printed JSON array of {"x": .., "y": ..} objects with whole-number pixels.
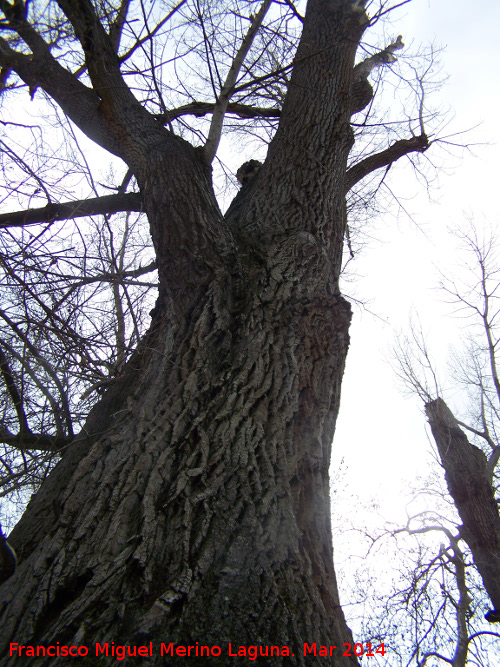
[
  {"x": 194, "y": 505},
  {"x": 198, "y": 510},
  {"x": 470, "y": 487}
]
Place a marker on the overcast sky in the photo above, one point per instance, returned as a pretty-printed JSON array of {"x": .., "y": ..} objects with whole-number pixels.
[{"x": 381, "y": 435}]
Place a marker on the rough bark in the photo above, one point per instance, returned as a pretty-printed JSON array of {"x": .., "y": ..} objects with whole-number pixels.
[
  {"x": 469, "y": 484},
  {"x": 194, "y": 505}
]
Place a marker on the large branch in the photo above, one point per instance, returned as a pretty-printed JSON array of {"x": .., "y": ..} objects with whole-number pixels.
[
  {"x": 466, "y": 473},
  {"x": 116, "y": 29},
  {"x": 200, "y": 109},
  {"x": 103, "y": 64},
  {"x": 14, "y": 393},
  {"x": 98, "y": 206},
  {"x": 120, "y": 111},
  {"x": 385, "y": 158},
  {"x": 34, "y": 441},
  {"x": 385, "y": 57},
  {"x": 108, "y": 113}
]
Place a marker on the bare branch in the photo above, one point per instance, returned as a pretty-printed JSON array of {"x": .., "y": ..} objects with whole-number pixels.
[
  {"x": 107, "y": 204},
  {"x": 115, "y": 32},
  {"x": 13, "y": 392},
  {"x": 200, "y": 109},
  {"x": 383, "y": 12},
  {"x": 385, "y": 158},
  {"x": 294, "y": 11},
  {"x": 42, "y": 442},
  {"x": 215, "y": 130},
  {"x": 151, "y": 33},
  {"x": 47, "y": 367},
  {"x": 481, "y": 434}
]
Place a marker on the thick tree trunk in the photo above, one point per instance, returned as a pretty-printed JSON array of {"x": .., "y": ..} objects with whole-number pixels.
[
  {"x": 470, "y": 487},
  {"x": 198, "y": 511},
  {"x": 201, "y": 514},
  {"x": 194, "y": 506}
]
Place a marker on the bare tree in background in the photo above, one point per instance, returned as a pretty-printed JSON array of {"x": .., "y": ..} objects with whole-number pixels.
[
  {"x": 469, "y": 450},
  {"x": 193, "y": 504},
  {"x": 414, "y": 586},
  {"x": 427, "y": 602}
]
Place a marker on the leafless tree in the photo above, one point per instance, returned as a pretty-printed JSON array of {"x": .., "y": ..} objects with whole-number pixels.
[
  {"x": 468, "y": 450},
  {"x": 193, "y": 504},
  {"x": 417, "y": 588}
]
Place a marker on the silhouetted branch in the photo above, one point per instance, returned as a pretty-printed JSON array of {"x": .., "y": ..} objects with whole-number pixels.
[
  {"x": 39, "y": 441},
  {"x": 399, "y": 148},
  {"x": 200, "y": 109},
  {"x": 97, "y": 206}
]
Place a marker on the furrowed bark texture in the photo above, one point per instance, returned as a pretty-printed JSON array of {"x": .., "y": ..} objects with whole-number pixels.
[
  {"x": 194, "y": 506},
  {"x": 469, "y": 485}
]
